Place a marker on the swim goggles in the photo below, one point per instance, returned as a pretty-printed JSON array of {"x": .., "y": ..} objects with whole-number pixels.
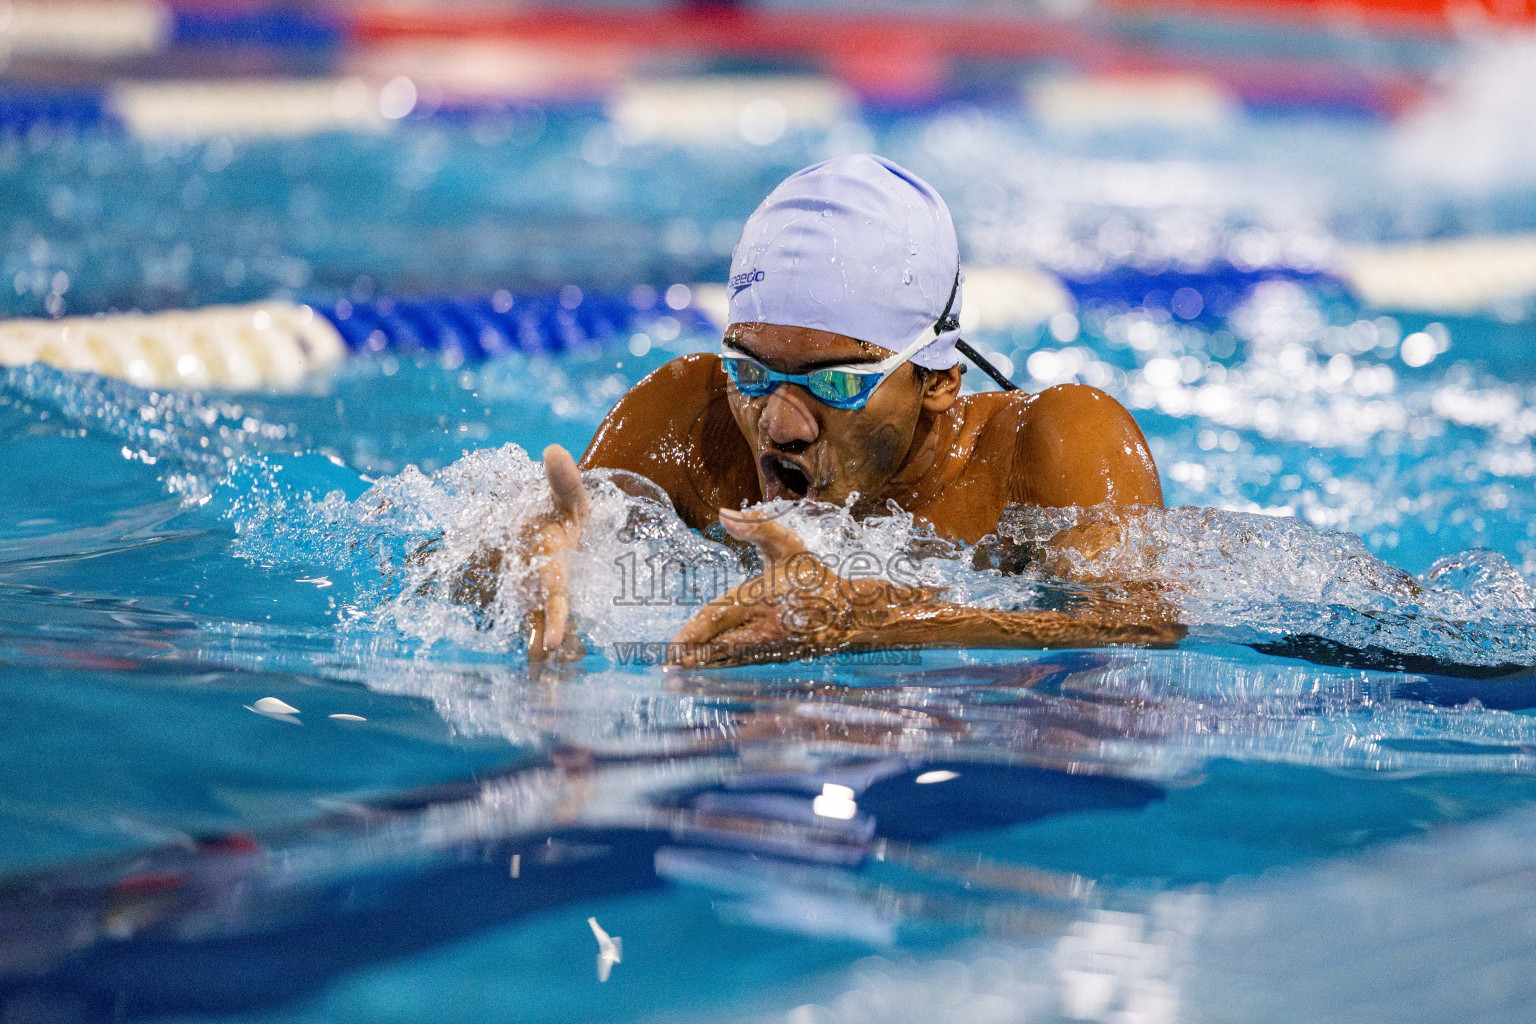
[{"x": 842, "y": 387}]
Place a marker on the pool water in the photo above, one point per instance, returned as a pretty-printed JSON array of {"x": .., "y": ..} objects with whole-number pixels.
[{"x": 1320, "y": 804}]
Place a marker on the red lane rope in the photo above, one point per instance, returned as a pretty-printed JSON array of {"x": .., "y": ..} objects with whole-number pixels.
[
  {"x": 1432, "y": 17},
  {"x": 887, "y": 53},
  {"x": 718, "y": 29},
  {"x": 833, "y": 34}
]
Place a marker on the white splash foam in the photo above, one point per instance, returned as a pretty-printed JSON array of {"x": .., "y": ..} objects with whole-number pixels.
[
  {"x": 1242, "y": 574},
  {"x": 639, "y": 572}
]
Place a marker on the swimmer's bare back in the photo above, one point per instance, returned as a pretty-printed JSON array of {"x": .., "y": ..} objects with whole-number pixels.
[{"x": 1068, "y": 445}]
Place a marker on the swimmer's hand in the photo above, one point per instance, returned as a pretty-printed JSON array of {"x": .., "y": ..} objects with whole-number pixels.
[
  {"x": 550, "y": 543},
  {"x": 798, "y": 608}
]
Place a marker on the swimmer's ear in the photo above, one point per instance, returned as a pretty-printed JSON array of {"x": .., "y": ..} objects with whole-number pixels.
[{"x": 941, "y": 388}]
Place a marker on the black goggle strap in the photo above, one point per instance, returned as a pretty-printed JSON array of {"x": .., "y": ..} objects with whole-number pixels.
[{"x": 949, "y": 322}]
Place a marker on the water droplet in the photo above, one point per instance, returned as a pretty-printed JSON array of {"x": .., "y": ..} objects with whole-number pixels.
[
  {"x": 911, "y": 248},
  {"x": 906, "y": 276}
]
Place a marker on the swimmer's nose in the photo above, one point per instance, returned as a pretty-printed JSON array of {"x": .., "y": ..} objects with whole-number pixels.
[{"x": 786, "y": 422}]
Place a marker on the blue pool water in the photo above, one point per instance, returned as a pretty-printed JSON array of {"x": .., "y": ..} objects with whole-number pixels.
[{"x": 1246, "y": 827}]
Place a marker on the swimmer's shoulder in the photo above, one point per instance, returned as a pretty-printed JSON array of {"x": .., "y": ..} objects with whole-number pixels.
[
  {"x": 675, "y": 428},
  {"x": 667, "y": 400},
  {"x": 694, "y": 373},
  {"x": 1070, "y": 444}
]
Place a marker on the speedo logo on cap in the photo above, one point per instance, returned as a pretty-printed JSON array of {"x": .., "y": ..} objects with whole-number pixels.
[{"x": 745, "y": 279}]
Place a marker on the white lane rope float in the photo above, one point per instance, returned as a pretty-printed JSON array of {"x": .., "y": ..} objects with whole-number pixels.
[
  {"x": 277, "y": 344},
  {"x": 259, "y": 345}
]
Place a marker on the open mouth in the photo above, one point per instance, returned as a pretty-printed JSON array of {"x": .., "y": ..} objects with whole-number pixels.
[{"x": 783, "y": 478}]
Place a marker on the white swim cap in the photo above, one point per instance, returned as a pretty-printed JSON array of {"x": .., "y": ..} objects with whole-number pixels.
[{"x": 857, "y": 246}]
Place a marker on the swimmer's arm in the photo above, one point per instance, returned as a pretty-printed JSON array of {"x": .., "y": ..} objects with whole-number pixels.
[
  {"x": 546, "y": 542},
  {"x": 932, "y": 625},
  {"x": 943, "y": 624},
  {"x": 675, "y": 429},
  {"x": 799, "y": 608},
  {"x": 1075, "y": 447}
]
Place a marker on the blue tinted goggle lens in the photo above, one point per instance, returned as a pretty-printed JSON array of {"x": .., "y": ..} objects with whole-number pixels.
[
  {"x": 750, "y": 378},
  {"x": 840, "y": 389}
]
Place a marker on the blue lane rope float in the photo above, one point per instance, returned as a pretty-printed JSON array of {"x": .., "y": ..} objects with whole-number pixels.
[
  {"x": 484, "y": 327},
  {"x": 275, "y": 344},
  {"x": 1207, "y": 295},
  {"x": 283, "y": 26},
  {"x": 25, "y": 107}
]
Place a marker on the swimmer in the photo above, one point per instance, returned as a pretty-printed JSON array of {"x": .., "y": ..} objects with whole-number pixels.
[{"x": 838, "y": 380}]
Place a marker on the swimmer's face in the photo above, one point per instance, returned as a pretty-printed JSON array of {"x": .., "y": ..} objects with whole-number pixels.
[{"x": 807, "y": 449}]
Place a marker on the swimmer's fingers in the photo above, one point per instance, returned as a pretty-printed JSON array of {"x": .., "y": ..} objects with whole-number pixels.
[
  {"x": 723, "y": 613},
  {"x": 554, "y": 541},
  {"x": 557, "y": 602},
  {"x": 777, "y": 542},
  {"x": 570, "y": 494},
  {"x": 536, "y": 650},
  {"x": 570, "y": 649}
]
